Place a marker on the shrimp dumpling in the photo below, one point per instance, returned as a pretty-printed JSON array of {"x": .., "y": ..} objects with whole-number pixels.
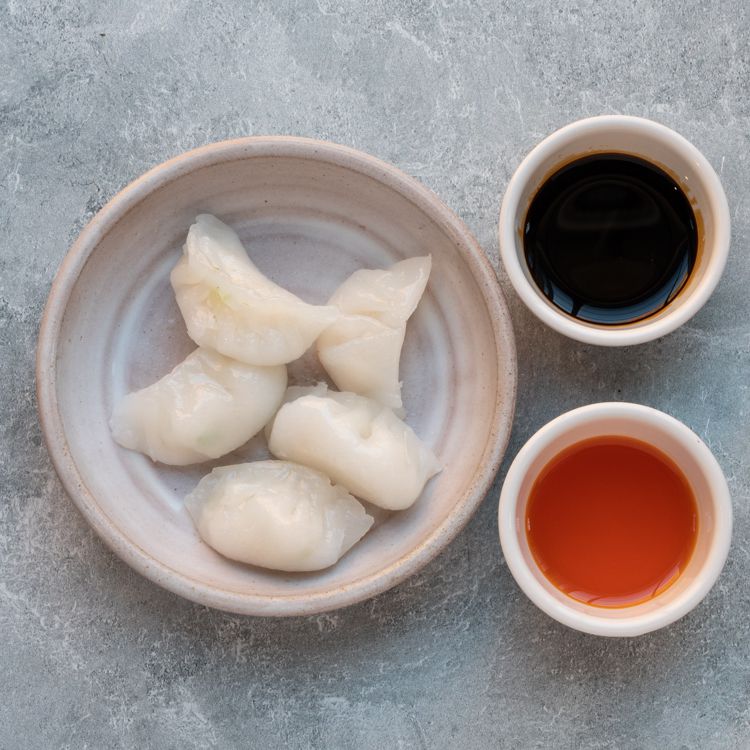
[
  {"x": 362, "y": 349},
  {"x": 231, "y": 307},
  {"x": 356, "y": 441},
  {"x": 277, "y": 514},
  {"x": 206, "y": 407},
  {"x": 294, "y": 392}
]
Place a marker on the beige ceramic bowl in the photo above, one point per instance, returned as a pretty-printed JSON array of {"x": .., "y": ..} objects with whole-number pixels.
[{"x": 310, "y": 213}]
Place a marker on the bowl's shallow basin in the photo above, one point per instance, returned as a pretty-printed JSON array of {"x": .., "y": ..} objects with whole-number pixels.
[{"x": 310, "y": 213}]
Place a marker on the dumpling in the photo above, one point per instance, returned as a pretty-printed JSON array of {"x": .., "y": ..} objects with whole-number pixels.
[
  {"x": 358, "y": 442},
  {"x": 362, "y": 349},
  {"x": 207, "y": 406},
  {"x": 276, "y": 514},
  {"x": 231, "y": 307},
  {"x": 294, "y": 392}
]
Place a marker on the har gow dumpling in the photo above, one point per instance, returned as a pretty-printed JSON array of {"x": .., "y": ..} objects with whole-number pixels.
[
  {"x": 277, "y": 514},
  {"x": 356, "y": 441},
  {"x": 362, "y": 349},
  {"x": 294, "y": 392},
  {"x": 206, "y": 407},
  {"x": 231, "y": 307}
]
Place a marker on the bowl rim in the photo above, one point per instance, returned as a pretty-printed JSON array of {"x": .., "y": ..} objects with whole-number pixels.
[
  {"x": 593, "y": 620},
  {"x": 53, "y": 428}
]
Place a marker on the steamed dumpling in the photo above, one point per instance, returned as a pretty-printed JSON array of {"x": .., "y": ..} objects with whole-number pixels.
[
  {"x": 362, "y": 349},
  {"x": 276, "y": 514},
  {"x": 231, "y": 307},
  {"x": 294, "y": 392},
  {"x": 207, "y": 406},
  {"x": 356, "y": 441}
]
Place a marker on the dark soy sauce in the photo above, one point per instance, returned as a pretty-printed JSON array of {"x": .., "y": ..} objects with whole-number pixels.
[{"x": 610, "y": 238}]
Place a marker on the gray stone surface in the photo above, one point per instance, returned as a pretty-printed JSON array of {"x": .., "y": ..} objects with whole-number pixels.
[{"x": 92, "y": 94}]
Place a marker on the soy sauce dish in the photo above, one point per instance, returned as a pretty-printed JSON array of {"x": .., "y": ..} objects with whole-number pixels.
[
  {"x": 310, "y": 214},
  {"x": 614, "y": 230}
]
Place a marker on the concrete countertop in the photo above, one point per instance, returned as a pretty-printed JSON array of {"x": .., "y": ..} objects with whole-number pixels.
[{"x": 94, "y": 93}]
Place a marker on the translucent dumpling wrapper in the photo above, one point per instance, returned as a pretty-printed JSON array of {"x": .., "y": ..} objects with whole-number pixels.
[
  {"x": 294, "y": 392},
  {"x": 277, "y": 514},
  {"x": 362, "y": 349},
  {"x": 231, "y": 307},
  {"x": 206, "y": 407},
  {"x": 356, "y": 441}
]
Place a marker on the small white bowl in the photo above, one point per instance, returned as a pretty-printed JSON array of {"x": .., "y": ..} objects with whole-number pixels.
[
  {"x": 655, "y": 143},
  {"x": 701, "y": 469}
]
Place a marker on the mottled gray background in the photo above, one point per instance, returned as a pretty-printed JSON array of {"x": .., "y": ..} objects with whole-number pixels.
[{"x": 92, "y": 94}]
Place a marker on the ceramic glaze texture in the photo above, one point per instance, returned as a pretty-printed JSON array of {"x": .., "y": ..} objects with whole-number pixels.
[{"x": 309, "y": 214}]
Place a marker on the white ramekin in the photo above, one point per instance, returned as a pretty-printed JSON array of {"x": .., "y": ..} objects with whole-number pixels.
[
  {"x": 655, "y": 143},
  {"x": 700, "y": 468}
]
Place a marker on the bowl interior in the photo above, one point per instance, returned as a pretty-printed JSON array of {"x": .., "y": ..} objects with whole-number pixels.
[
  {"x": 308, "y": 220},
  {"x": 682, "y": 449}
]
